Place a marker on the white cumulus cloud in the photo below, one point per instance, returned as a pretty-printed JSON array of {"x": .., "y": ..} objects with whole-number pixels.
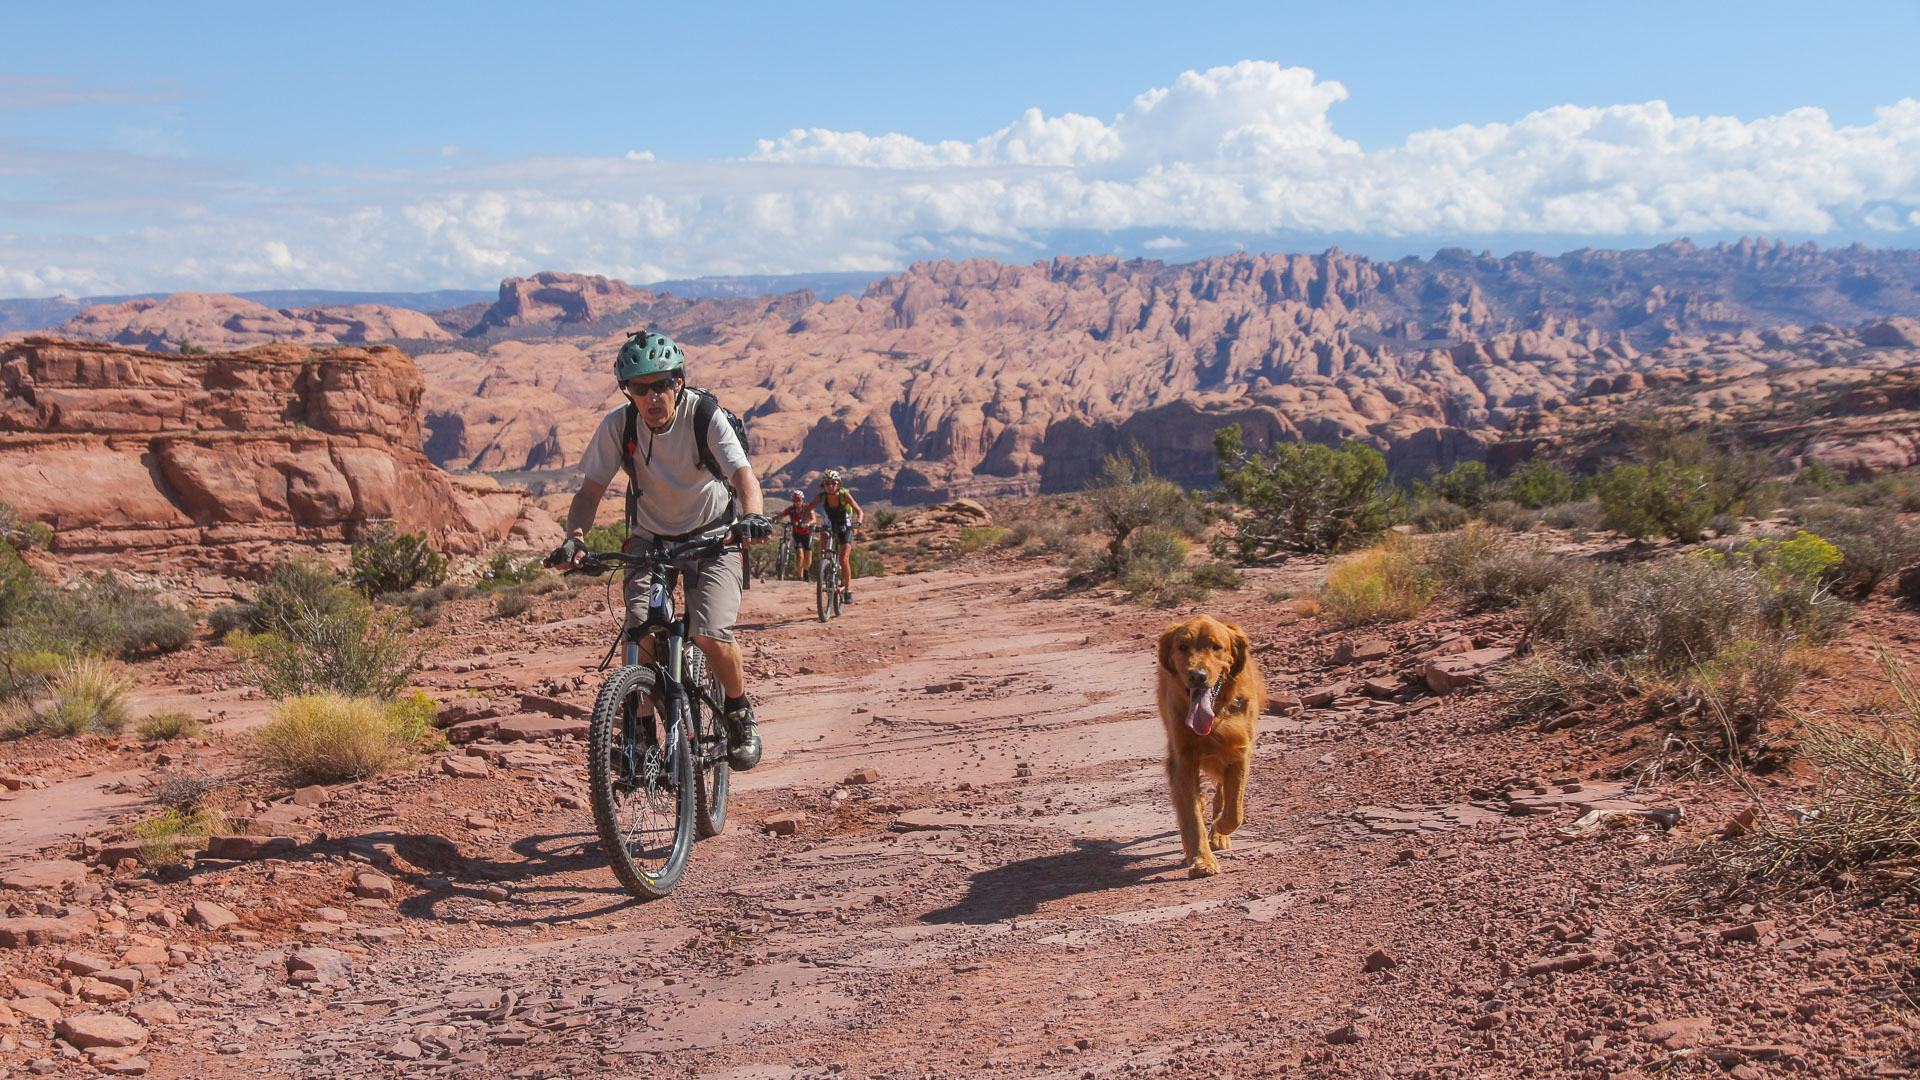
[{"x": 1246, "y": 150}]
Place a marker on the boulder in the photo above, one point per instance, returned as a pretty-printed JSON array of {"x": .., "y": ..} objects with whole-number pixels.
[
  {"x": 210, "y": 916},
  {"x": 317, "y": 965},
  {"x": 537, "y": 727},
  {"x": 468, "y": 768},
  {"x": 89, "y": 1030},
  {"x": 251, "y": 847},
  {"x": 30, "y": 930},
  {"x": 47, "y": 874},
  {"x": 552, "y": 706},
  {"x": 1448, "y": 673}
]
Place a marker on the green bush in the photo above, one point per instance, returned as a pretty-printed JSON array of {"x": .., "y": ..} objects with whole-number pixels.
[
  {"x": 165, "y": 839},
  {"x": 227, "y": 618},
  {"x": 1874, "y": 544},
  {"x": 300, "y": 588},
  {"x": 1487, "y": 569},
  {"x": 884, "y": 518},
  {"x": 353, "y": 652},
  {"x": 864, "y": 563},
  {"x": 975, "y": 537},
  {"x": 510, "y": 602},
  {"x": 1537, "y": 485},
  {"x": 385, "y": 560},
  {"x": 1663, "y": 499},
  {"x": 99, "y": 615},
  {"x": 1129, "y": 496},
  {"x": 1465, "y": 485},
  {"x": 1509, "y": 515},
  {"x": 1154, "y": 568},
  {"x": 504, "y": 570},
  {"x": 20, "y": 533},
  {"x": 88, "y": 695},
  {"x": 1305, "y": 497},
  {"x": 423, "y": 605},
  {"x": 606, "y": 539}
]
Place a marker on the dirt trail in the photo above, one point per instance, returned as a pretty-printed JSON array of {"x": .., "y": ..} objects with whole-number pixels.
[{"x": 1006, "y": 899}]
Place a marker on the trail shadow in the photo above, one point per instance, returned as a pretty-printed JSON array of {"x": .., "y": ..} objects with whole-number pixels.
[
  {"x": 1019, "y": 888},
  {"x": 538, "y": 894}
]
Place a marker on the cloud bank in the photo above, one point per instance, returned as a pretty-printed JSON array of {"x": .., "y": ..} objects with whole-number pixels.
[{"x": 1246, "y": 151}]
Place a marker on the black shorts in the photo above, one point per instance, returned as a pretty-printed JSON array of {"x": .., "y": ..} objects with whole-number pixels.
[
  {"x": 803, "y": 541},
  {"x": 842, "y": 533}
]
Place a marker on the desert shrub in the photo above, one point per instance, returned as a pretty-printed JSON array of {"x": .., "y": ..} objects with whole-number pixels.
[
  {"x": 354, "y": 652},
  {"x": 227, "y": 618},
  {"x": 87, "y": 695},
  {"x": 1129, "y": 496},
  {"x": 1584, "y": 516},
  {"x": 975, "y": 537},
  {"x": 1152, "y": 559},
  {"x": 1509, "y": 515},
  {"x": 606, "y": 538},
  {"x": 297, "y": 589},
  {"x": 1820, "y": 476},
  {"x": 508, "y": 603},
  {"x": 1305, "y": 497},
  {"x": 864, "y": 563},
  {"x": 1724, "y": 525},
  {"x": 330, "y": 738},
  {"x": 1710, "y": 635},
  {"x": 504, "y": 570},
  {"x": 104, "y": 616},
  {"x": 1488, "y": 569},
  {"x": 188, "y": 792},
  {"x": 1864, "y": 824},
  {"x": 26, "y": 673},
  {"x": 1733, "y": 473},
  {"x": 423, "y": 605},
  {"x": 1874, "y": 544},
  {"x": 1897, "y": 492},
  {"x": 1537, "y": 485},
  {"x": 1217, "y": 575},
  {"x": 412, "y": 716},
  {"x": 20, "y": 533},
  {"x": 1437, "y": 515},
  {"x": 884, "y": 518},
  {"x": 1384, "y": 583},
  {"x": 165, "y": 839},
  {"x": 171, "y": 724},
  {"x": 1465, "y": 485},
  {"x": 1663, "y": 499},
  {"x": 385, "y": 560}
]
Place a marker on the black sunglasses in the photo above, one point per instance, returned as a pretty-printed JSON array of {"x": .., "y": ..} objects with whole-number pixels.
[{"x": 657, "y": 386}]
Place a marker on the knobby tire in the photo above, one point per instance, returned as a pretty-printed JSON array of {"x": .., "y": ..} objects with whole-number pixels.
[
  {"x": 710, "y": 739},
  {"x": 642, "y": 781}
]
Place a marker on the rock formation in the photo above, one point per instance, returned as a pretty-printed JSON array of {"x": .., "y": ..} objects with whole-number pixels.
[
  {"x": 980, "y": 377},
  {"x": 214, "y": 460},
  {"x": 219, "y": 323}
]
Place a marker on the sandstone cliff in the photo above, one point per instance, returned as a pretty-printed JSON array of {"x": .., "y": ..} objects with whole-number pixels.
[{"x": 214, "y": 460}]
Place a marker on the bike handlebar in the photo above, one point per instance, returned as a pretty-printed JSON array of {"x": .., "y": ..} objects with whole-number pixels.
[{"x": 595, "y": 563}]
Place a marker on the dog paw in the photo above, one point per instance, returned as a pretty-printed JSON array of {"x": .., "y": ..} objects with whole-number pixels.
[
  {"x": 1203, "y": 868},
  {"x": 1219, "y": 841}
]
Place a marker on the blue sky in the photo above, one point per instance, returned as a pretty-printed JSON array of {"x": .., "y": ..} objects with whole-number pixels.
[{"x": 401, "y": 146}]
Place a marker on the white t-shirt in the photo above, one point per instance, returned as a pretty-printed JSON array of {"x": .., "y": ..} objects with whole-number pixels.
[{"x": 677, "y": 493}]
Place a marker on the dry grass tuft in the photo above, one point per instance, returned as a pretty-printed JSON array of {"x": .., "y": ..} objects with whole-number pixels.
[
  {"x": 1384, "y": 583},
  {"x": 328, "y": 738},
  {"x": 172, "y": 724}
]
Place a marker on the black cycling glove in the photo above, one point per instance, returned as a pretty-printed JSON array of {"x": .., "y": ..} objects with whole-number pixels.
[
  {"x": 568, "y": 553},
  {"x": 754, "y": 528}
]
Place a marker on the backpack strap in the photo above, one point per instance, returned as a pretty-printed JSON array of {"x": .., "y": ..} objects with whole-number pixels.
[
  {"x": 705, "y": 405},
  {"x": 630, "y": 442}
]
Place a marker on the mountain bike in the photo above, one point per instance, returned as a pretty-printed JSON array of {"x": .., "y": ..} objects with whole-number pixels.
[
  {"x": 826, "y": 578},
  {"x": 656, "y": 743},
  {"x": 784, "y": 555}
]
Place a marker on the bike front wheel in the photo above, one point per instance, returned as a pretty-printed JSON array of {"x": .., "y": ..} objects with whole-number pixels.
[
  {"x": 824, "y": 588},
  {"x": 712, "y": 776},
  {"x": 641, "y": 771}
]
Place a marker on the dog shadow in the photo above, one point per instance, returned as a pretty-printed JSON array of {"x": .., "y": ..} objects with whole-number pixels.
[{"x": 1019, "y": 888}]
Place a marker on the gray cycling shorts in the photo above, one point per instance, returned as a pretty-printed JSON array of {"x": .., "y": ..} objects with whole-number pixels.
[{"x": 713, "y": 595}]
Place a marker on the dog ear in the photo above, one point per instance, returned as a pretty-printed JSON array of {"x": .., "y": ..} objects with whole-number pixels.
[
  {"x": 1241, "y": 646},
  {"x": 1166, "y": 650}
]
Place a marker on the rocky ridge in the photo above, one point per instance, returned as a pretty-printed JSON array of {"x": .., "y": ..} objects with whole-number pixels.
[
  {"x": 209, "y": 460},
  {"x": 218, "y": 322}
]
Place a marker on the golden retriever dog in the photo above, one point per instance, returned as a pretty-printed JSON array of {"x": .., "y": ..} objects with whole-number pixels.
[{"x": 1211, "y": 695}]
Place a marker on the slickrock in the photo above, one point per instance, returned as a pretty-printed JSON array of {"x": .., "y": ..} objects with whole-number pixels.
[
  {"x": 100, "y": 1029},
  {"x": 49, "y": 874},
  {"x": 33, "y": 930}
]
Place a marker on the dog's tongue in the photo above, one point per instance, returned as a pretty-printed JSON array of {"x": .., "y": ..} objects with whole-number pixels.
[{"x": 1200, "y": 713}]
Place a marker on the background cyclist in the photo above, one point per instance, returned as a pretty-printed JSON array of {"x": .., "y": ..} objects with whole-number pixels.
[
  {"x": 842, "y": 512},
  {"x": 799, "y": 513}
]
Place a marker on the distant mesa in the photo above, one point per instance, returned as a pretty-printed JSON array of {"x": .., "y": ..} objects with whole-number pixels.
[{"x": 222, "y": 323}]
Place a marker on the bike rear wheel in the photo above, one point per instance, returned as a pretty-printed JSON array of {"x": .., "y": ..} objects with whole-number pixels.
[
  {"x": 640, "y": 770},
  {"x": 711, "y": 773},
  {"x": 782, "y": 556}
]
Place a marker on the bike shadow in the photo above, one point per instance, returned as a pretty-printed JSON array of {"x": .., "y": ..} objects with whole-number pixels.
[
  {"x": 540, "y": 885},
  {"x": 1019, "y": 888}
]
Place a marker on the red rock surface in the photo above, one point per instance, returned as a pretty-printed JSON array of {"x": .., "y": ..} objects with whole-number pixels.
[{"x": 212, "y": 459}]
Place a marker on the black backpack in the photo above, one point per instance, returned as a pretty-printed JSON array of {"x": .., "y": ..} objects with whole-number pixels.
[{"x": 704, "y": 406}]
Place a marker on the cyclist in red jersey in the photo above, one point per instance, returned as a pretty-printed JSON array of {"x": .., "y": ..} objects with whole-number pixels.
[{"x": 800, "y": 512}]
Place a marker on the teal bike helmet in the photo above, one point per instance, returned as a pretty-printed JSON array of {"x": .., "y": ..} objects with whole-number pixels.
[{"x": 648, "y": 353}]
